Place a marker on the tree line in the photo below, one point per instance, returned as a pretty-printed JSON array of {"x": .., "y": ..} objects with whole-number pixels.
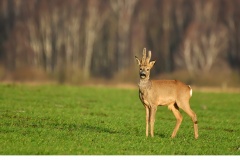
[{"x": 99, "y": 38}]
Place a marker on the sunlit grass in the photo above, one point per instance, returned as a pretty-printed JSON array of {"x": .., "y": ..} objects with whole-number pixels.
[{"x": 70, "y": 120}]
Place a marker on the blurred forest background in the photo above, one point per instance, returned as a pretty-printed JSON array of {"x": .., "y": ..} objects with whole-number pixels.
[{"x": 77, "y": 41}]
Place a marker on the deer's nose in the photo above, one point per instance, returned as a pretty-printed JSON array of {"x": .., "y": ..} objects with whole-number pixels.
[{"x": 143, "y": 72}]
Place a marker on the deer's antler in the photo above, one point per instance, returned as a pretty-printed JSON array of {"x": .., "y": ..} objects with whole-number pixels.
[
  {"x": 144, "y": 55},
  {"x": 149, "y": 57},
  {"x": 145, "y": 58}
]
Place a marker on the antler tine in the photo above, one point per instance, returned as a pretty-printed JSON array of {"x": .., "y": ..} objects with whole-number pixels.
[
  {"x": 144, "y": 55},
  {"x": 149, "y": 56}
]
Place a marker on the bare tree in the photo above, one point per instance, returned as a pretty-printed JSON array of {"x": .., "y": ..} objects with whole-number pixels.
[
  {"x": 139, "y": 26},
  {"x": 95, "y": 20},
  {"x": 202, "y": 46},
  {"x": 166, "y": 31},
  {"x": 205, "y": 38},
  {"x": 231, "y": 16},
  {"x": 124, "y": 10}
]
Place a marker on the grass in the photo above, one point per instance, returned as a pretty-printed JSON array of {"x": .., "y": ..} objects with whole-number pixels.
[{"x": 68, "y": 120}]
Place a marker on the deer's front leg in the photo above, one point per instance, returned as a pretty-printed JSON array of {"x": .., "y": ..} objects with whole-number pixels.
[
  {"x": 152, "y": 119},
  {"x": 147, "y": 120}
]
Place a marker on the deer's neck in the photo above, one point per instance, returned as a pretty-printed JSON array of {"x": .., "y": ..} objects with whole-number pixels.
[{"x": 144, "y": 85}]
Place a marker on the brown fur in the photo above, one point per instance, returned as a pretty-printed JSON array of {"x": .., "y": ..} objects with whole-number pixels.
[{"x": 171, "y": 93}]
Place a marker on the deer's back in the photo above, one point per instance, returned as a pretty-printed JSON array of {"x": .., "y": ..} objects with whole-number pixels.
[{"x": 165, "y": 92}]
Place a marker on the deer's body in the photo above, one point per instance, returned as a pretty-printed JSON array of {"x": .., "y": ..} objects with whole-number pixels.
[
  {"x": 171, "y": 93},
  {"x": 163, "y": 92}
]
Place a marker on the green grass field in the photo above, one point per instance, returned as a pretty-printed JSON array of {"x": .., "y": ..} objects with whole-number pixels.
[{"x": 70, "y": 120}]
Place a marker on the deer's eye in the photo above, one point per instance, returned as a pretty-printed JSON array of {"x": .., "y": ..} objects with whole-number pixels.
[{"x": 147, "y": 69}]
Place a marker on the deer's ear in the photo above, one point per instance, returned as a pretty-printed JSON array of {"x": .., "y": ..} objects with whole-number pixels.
[
  {"x": 138, "y": 61},
  {"x": 151, "y": 63}
]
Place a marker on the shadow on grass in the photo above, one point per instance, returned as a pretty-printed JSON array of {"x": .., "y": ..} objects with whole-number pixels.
[
  {"x": 161, "y": 135},
  {"x": 98, "y": 129},
  {"x": 82, "y": 127}
]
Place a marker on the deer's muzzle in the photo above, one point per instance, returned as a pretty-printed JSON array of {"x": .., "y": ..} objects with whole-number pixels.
[{"x": 142, "y": 75}]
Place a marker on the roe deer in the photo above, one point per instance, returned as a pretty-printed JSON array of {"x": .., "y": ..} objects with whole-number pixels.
[{"x": 154, "y": 93}]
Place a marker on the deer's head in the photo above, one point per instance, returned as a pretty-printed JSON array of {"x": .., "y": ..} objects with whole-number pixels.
[{"x": 145, "y": 65}]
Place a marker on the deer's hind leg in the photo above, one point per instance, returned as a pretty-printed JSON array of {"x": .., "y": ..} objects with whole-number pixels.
[
  {"x": 175, "y": 109},
  {"x": 186, "y": 108}
]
